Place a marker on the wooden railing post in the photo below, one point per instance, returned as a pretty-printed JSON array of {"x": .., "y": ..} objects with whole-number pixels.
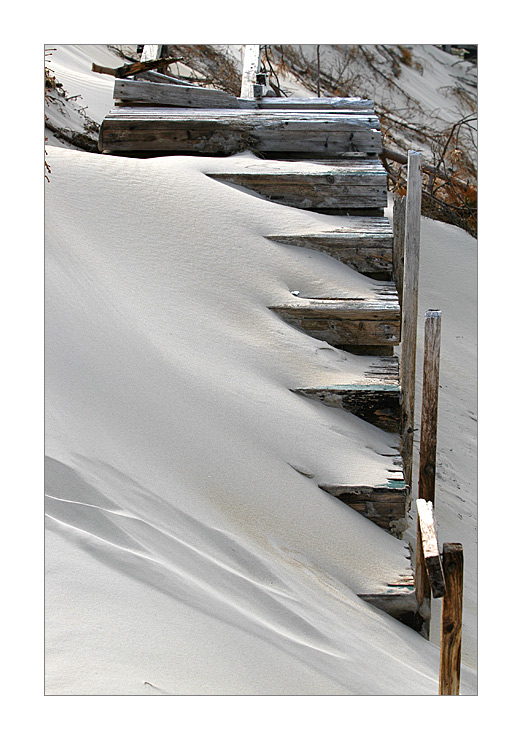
[
  {"x": 399, "y": 214},
  {"x": 251, "y": 62},
  {"x": 410, "y": 308},
  {"x": 430, "y": 401},
  {"x": 451, "y": 620},
  {"x": 428, "y": 451}
]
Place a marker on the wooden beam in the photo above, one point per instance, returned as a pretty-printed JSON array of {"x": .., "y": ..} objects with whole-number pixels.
[
  {"x": 157, "y": 93},
  {"x": 229, "y": 131},
  {"x": 127, "y": 70},
  {"x": 250, "y": 70},
  {"x": 430, "y": 547},
  {"x": 451, "y": 620},
  {"x": 430, "y": 396},
  {"x": 410, "y": 307}
]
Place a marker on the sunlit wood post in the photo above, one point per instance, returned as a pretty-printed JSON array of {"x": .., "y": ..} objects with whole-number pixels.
[
  {"x": 399, "y": 213},
  {"x": 451, "y": 620},
  {"x": 428, "y": 452},
  {"x": 251, "y": 61},
  {"x": 410, "y": 308}
]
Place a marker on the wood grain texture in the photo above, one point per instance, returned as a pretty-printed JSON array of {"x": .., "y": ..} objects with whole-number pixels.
[
  {"x": 451, "y": 620},
  {"x": 410, "y": 306},
  {"x": 365, "y": 245},
  {"x": 345, "y": 322},
  {"x": 181, "y": 96},
  {"x": 430, "y": 547},
  {"x": 429, "y": 414}
]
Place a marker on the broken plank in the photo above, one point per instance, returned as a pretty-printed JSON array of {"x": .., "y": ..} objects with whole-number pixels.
[
  {"x": 126, "y": 70},
  {"x": 158, "y": 93},
  {"x": 430, "y": 547},
  {"x": 378, "y": 404}
]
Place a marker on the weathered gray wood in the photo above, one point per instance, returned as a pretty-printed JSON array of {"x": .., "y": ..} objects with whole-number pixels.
[
  {"x": 128, "y": 70},
  {"x": 430, "y": 396},
  {"x": 451, "y": 620},
  {"x": 362, "y": 185},
  {"x": 410, "y": 306},
  {"x": 386, "y": 505},
  {"x": 251, "y": 57},
  {"x": 430, "y": 547},
  {"x": 399, "y": 215},
  {"x": 332, "y": 105},
  {"x": 228, "y": 131},
  {"x": 152, "y": 76},
  {"x": 346, "y": 322},
  {"x": 157, "y": 93},
  {"x": 376, "y": 403},
  {"x": 400, "y": 603},
  {"x": 151, "y": 51},
  {"x": 365, "y": 245}
]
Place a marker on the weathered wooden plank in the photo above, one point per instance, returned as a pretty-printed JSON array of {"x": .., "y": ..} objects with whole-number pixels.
[
  {"x": 364, "y": 246},
  {"x": 127, "y": 70},
  {"x": 410, "y": 306},
  {"x": 451, "y": 620},
  {"x": 430, "y": 547},
  {"x": 399, "y": 603},
  {"x": 152, "y": 76},
  {"x": 386, "y": 505},
  {"x": 345, "y": 322},
  {"x": 332, "y": 105},
  {"x": 339, "y": 189},
  {"x": 158, "y": 93},
  {"x": 228, "y": 131},
  {"x": 375, "y": 403}
]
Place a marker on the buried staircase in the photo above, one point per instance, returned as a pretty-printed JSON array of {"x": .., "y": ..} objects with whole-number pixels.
[{"x": 319, "y": 154}]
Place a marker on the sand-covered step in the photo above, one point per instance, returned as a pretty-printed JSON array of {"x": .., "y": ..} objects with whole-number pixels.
[
  {"x": 398, "y": 599},
  {"x": 378, "y": 404},
  {"x": 226, "y": 131},
  {"x": 359, "y": 325},
  {"x": 360, "y": 187},
  {"x": 366, "y": 245},
  {"x": 386, "y": 505}
]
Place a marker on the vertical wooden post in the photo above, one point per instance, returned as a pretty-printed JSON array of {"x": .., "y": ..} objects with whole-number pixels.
[
  {"x": 428, "y": 451},
  {"x": 430, "y": 400},
  {"x": 451, "y": 621},
  {"x": 410, "y": 308},
  {"x": 399, "y": 214},
  {"x": 250, "y": 70},
  {"x": 151, "y": 51}
]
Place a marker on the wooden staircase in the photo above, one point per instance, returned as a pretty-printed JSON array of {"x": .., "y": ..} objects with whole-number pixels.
[{"x": 321, "y": 155}]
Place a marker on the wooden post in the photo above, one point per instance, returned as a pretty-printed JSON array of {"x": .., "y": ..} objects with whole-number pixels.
[
  {"x": 250, "y": 70},
  {"x": 151, "y": 51},
  {"x": 451, "y": 621},
  {"x": 399, "y": 213},
  {"x": 428, "y": 451},
  {"x": 430, "y": 400},
  {"x": 410, "y": 308}
]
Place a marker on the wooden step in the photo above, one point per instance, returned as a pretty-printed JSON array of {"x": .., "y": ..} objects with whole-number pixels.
[
  {"x": 358, "y": 325},
  {"x": 227, "y": 131},
  {"x": 376, "y": 399},
  {"x": 366, "y": 245},
  {"x": 355, "y": 188},
  {"x": 386, "y": 505},
  {"x": 400, "y": 602}
]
